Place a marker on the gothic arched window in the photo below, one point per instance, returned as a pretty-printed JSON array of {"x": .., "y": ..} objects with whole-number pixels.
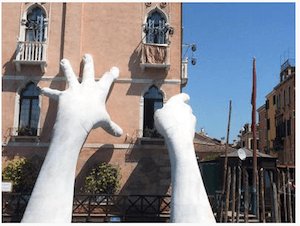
[
  {"x": 153, "y": 100},
  {"x": 156, "y": 28},
  {"x": 35, "y": 25},
  {"x": 29, "y": 110}
]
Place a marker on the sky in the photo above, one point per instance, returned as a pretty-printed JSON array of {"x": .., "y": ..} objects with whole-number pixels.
[{"x": 228, "y": 36}]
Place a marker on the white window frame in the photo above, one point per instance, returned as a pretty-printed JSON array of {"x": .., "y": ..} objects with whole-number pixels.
[
  {"x": 141, "y": 116},
  {"x": 144, "y": 34},
  {"x": 22, "y": 32},
  {"x": 14, "y": 132}
]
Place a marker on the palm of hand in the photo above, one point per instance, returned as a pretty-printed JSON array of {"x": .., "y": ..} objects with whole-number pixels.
[{"x": 85, "y": 102}]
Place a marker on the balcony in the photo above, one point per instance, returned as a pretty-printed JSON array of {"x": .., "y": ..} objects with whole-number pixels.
[
  {"x": 25, "y": 134},
  {"x": 155, "y": 56},
  {"x": 184, "y": 71},
  {"x": 31, "y": 53}
]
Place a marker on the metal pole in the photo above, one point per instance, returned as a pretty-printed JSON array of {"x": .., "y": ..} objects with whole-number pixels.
[
  {"x": 227, "y": 194},
  {"x": 226, "y": 149},
  {"x": 225, "y": 163},
  {"x": 233, "y": 194},
  {"x": 239, "y": 192},
  {"x": 262, "y": 193},
  {"x": 254, "y": 174}
]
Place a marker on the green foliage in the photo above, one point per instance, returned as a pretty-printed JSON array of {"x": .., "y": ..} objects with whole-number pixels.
[
  {"x": 103, "y": 178},
  {"x": 23, "y": 173}
]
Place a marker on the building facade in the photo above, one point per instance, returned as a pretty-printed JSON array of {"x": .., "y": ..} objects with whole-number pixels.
[
  {"x": 284, "y": 142},
  {"x": 246, "y": 137},
  {"x": 270, "y": 117},
  {"x": 143, "y": 40},
  {"x": 280, "y": 117},
  {"x": 262, "y": 128}
]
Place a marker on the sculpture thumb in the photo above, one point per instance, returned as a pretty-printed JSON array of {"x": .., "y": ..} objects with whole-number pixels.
[
  {"x": 112, "y": 128},
  {"x": 51, "y": 93}
]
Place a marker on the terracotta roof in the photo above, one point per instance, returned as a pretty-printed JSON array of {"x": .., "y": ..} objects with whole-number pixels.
[{"x": 204, "y": 143}]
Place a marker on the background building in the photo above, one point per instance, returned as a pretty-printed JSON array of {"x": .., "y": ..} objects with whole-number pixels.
[
  {"x": 246, "y": 137},
  {"x": 262, "y": 129},
  {"x": 279, "y": 117},
  {"x": 270, "y": 117},
  {"x": 143, "y": 39}
]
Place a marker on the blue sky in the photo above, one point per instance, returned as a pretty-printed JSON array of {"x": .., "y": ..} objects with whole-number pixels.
[{"x": 228, "y": 36}]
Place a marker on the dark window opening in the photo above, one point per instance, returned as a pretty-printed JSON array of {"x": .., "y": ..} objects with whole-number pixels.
[
  {"x": 267, "y": 104},
  {"x": 156, "y": 28},
  {"x": 289, "y": 96},
  {"x": 284, "y": 100},
  {"x": 251, "y": 144},
  {"x": 29, "y": 111},
  {"x": 35, "y": 25},
  {"x": 153, "y": 100}
]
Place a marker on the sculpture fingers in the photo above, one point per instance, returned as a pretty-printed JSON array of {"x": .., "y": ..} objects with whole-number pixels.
[
  {"x": 112, "y": 128},
  {"x": 107, "y": 79},
  {"x": 88, "y": 69},
  {"x": 69, "y": 73},
  {"x": 180, "y": 97},
  {"x": 51, "y": 93}
]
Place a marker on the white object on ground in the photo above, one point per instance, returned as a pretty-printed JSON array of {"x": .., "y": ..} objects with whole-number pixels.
[
  {"x": 81, "y": 107},
  {"x": 189, "y": 202}
]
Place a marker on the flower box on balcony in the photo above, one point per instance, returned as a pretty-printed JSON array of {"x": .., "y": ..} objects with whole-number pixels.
[{"x": 155, "y": 56}]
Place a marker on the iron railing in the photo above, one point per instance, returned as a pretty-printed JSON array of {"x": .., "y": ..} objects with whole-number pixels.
[
  {"x": 288, "y": 63},
  {"x": 99, "y": 208}
]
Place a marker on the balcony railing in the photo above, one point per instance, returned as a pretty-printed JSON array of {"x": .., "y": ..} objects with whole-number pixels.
[
  {"x": 288, "y": 63},
  {"x": 31, "y": 52},
  {"x": 155, "y": 56},
  {"x": 23, "y": 135}
]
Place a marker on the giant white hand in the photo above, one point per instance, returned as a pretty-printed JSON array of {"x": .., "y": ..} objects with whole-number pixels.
[
  {"x": 176, "y": 122},
  {"x": 84, "y": 102},
  {"x": 176, "y": 117},
  {"x": 81, "y": 107}
]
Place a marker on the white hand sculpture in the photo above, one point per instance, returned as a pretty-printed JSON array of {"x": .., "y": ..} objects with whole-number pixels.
[
  {"x": 80, "y": 108},
  {"x": 189, "y": 202}
]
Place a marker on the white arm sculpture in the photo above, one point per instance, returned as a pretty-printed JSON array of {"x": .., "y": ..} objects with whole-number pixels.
[
  {"x": 81, "y": 107},
  {"x": 176, "y": 122}
]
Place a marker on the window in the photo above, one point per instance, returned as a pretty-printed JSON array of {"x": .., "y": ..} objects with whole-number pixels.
[
  {"x": 35, "y": 25},
  {"x": 32, "y": 45},
  {"x": 29, "y": 110},
  {"x": 278, "y": 101},
  {"x": 289, "y": 95},
  {"x": 268, "y": 124},
  {"x": 284, "y": 98},
  {"x": 155, "y": 51},
  {"x": 274, "y": 99},
  {"x": 156, "y": 28},
  {"x": 267, "y": 104},
  {"x": 153, "y": 100},
  {"x": 251, "y": 144}
]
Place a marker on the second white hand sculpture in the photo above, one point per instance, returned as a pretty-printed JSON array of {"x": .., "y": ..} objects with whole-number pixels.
[
  {"x": 176, "y": 122},
  {"x": 80, "y": 108}
]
